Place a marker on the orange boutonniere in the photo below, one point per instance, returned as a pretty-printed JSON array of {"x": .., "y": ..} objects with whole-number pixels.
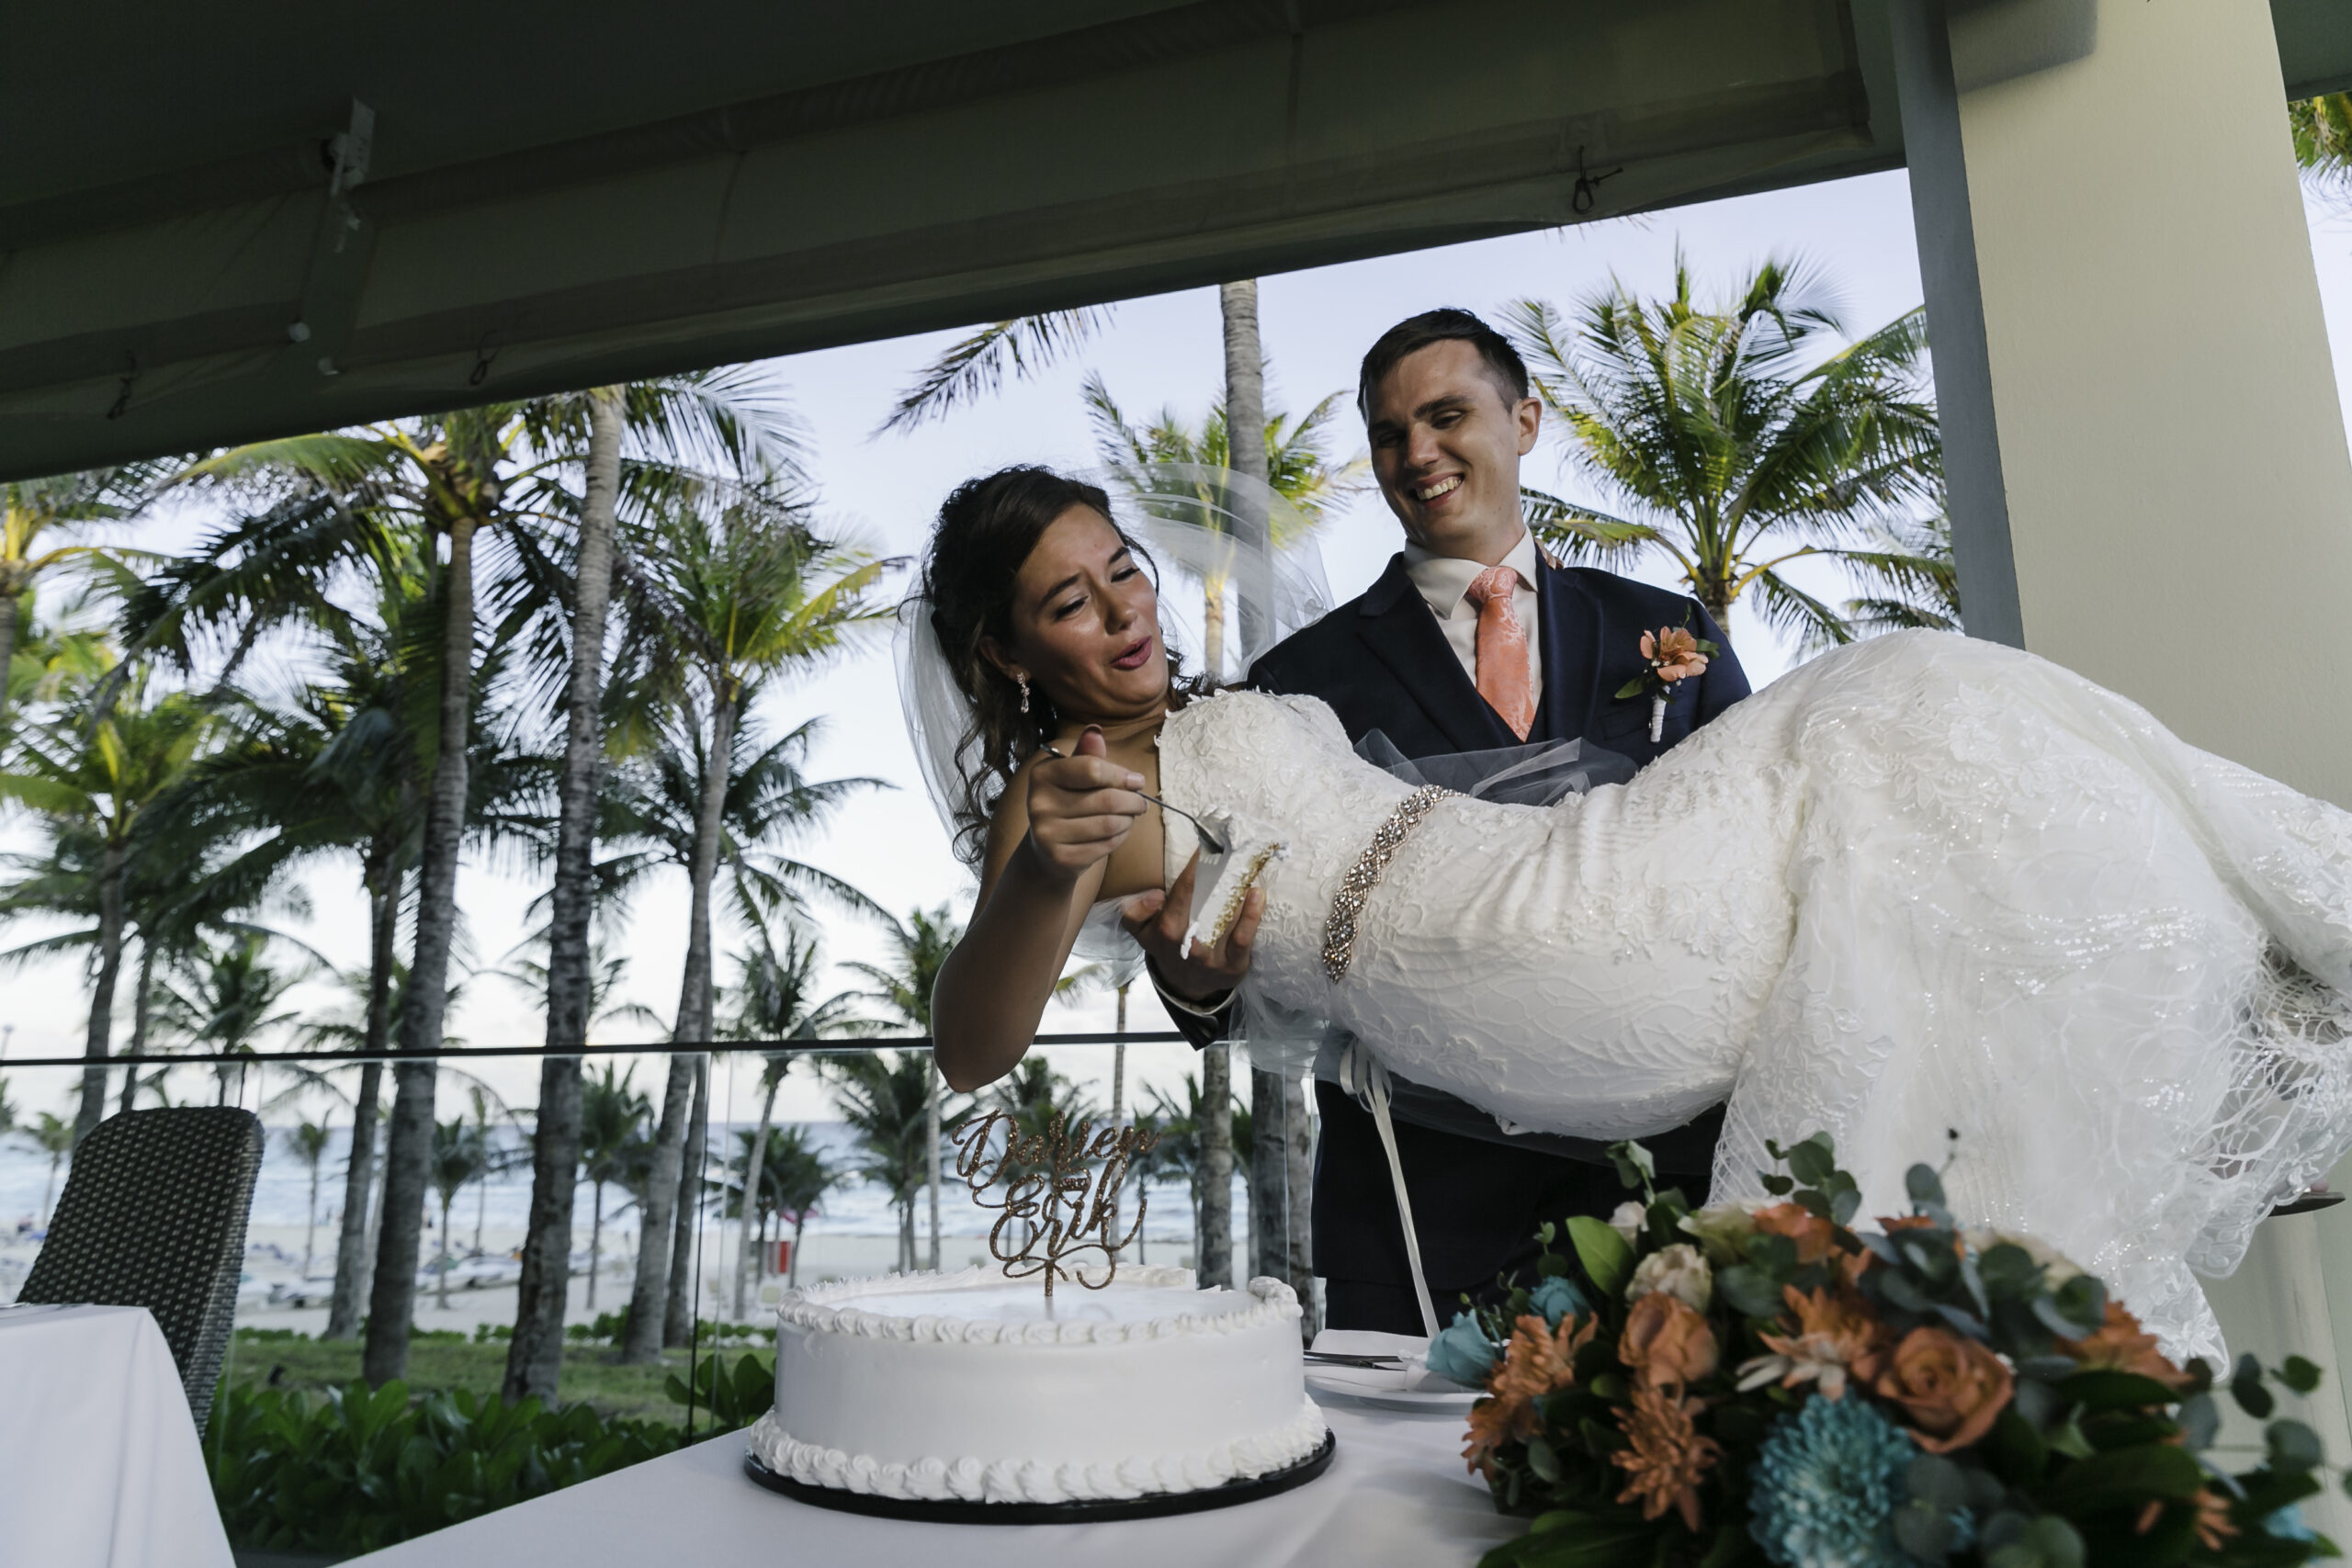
[{"x": 1673, "y": 655}]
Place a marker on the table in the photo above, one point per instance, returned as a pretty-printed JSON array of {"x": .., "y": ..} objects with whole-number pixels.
[
  {"x": 99, "y": 1463},
  {"x": 1397, "y": 1492}
]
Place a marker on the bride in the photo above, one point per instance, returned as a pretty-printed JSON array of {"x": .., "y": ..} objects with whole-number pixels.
[{"x": 1938, "y": 896}]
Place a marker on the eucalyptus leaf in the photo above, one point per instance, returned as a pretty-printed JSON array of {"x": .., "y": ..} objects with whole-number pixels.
[
  {"x": 1924, "y": 1185},
  {"x": 2293, "y": 1447},
  {"x": 2299, "y": 1374},
  {"x": 1608, "y": 1261}
]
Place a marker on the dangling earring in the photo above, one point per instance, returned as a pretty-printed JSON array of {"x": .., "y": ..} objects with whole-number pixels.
[{"x": 1022, "y": 680}]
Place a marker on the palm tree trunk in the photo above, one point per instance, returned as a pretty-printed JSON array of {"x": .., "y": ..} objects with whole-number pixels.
[
  {"x": 677, "y": 1316},
  {"x": 649, "y": 1306},
  {"x": 755, "y": 1169},
  {"x": 409, "y": 1150},
  {"x": 1216, "y": 1167},
  {"x": 534, "y": 1356},
  {"x": 441, "y": 1269},
  {"x": 792, "y": 1265},
  {"x": 596, "y": 1244},
  {"x": 931, "y": 1153},
  {"x": 359, "y": 1170},
  {"x": 1244, "y": 431},
  {"x": 7, "y": 644},
  {"x": 310, "y": 1224},
  {"x": 482, "y": 1196},
  {"x": 99, "y": 1043},
  {"x": 139, "y": 1016},
  {"x": 648, "y": 1299}
]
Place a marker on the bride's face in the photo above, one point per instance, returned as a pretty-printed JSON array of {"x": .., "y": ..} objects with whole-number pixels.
[{"x": 1085, "y": 623}]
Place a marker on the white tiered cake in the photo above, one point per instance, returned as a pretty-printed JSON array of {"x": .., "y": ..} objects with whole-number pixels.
[{"x": 963, "y": 1388}]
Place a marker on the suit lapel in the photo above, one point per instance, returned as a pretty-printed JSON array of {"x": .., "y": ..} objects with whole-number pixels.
[
  {"x": 1571, "y": 654},
  {"x": 1402, "y": 634}
]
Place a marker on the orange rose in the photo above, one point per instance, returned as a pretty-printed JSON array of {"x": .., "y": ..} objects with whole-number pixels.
[
  {"x": 1952, "y": 1388},
  {"x": 1666, "y": 1343},
  {"x": 2121, "y": 1345},
  {"x": 1815, "y": 1238}
]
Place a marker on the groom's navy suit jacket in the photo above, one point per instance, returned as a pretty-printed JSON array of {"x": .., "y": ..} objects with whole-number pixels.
[{"x": 1382, "y": 663}]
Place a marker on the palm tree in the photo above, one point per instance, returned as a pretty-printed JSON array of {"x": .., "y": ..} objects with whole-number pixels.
[
  {"x": 2322, "y": 128},
  {"x": 33, "y": 509},
  {"x": 90, "y": 779},
  {"x": 1724, "y": 449},
  {"x": 741, "y": 591},
  {"x": 1293, "y": 462},
  {"x": 773, "y": 999},
  {"x": 976, "y": 366},
  {"x": 919, "y": 949},
  {"x": 641, "y": 443},
  {"x": 613, "y": 1114},
  {"x": 885, "y": 1096},
  {"x": 1909, "y": 582},
  {"x": 1177, "y": 1156},
  {"x": 799, "y": 1175},
  {"x": 53, "y": 1136},
  {"x": 225, "y": 998},
  {"x": 460, "y": 1155},
  {"x": 309, "y": 1141},
  {"x": 498, "y": 470}
]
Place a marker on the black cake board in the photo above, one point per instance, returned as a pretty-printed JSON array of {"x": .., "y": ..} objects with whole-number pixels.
[{"x": 1159, "y": 1504}]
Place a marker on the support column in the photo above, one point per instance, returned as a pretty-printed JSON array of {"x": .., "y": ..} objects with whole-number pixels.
[
  {"x": 2148, "y": 466},
  {"x": 2148, "y": 474}
]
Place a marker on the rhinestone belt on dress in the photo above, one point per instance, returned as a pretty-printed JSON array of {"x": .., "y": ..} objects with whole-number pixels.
[{"x": 1355, "y": 888}]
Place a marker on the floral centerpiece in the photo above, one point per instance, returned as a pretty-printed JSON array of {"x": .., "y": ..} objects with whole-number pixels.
[{"x": 1764, "y": 1382}]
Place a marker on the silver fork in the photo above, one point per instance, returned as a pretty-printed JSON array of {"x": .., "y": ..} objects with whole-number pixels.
[{"x": 1216, "y": 845}]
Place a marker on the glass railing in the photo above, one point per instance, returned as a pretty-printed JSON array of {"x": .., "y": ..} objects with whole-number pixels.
[{"x": 844, "y": 1124}]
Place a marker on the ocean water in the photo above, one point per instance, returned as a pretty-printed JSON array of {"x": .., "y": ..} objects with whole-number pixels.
[{"x": 282, "y": 1195}]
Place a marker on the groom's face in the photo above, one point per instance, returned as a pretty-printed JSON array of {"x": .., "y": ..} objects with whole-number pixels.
[{"x": 1446, "y": 441}]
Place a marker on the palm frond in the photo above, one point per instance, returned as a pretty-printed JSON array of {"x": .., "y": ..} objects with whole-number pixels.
[{"x": 977, "y": 365}]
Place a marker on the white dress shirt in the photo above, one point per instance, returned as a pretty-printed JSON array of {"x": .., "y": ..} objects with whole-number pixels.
[{"x": 1444, "y": 585}]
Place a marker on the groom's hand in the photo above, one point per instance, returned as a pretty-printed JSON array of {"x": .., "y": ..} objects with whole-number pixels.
[
  {"x": 1157, "y": 921},
  {"x": 1081, "y": 807}
]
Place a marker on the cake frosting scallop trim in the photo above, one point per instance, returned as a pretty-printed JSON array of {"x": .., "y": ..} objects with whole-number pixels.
[
  {"x": 809, "y": 1308},
  {"x": 1032, "y": 1480}
]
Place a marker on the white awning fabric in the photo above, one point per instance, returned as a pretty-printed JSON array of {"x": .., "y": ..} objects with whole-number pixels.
[{"x": 237, "y": 220}]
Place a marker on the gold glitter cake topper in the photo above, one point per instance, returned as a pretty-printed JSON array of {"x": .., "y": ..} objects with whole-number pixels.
[{"x": 1053, "y": 1211}]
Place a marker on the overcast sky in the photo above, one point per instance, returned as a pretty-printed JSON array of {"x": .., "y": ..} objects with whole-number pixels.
[{"x": 1164, "y": 351}]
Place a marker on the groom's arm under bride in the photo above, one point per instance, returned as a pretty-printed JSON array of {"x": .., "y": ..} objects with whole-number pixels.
[{"x": 1471, "y": 640}]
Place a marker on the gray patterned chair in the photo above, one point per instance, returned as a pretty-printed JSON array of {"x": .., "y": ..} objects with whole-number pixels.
[{"x": 154, "y": 1216}]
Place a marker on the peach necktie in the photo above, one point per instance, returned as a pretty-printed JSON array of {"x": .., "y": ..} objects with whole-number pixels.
[{"x": 1503, "y": 678}]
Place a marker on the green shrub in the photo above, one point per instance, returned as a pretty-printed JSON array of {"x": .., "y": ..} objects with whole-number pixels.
[
  {"x": 732, "y": 1399},
  {"x": 352, "y": 1471}
]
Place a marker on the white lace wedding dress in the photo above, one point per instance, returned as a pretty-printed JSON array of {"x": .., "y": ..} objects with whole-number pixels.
[{"x": 1921, "y": 887}]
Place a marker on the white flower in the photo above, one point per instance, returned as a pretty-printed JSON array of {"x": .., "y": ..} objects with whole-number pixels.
[
  {"x": 1628, "y": 1220},
  {"x": 1722, "y": 1228},
  {"x": 2057, "y": 1267},
  {"x": 1677, "y": 1271}
]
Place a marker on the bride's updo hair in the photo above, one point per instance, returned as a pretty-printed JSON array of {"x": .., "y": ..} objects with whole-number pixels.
[{"x": 985, "y": 529}]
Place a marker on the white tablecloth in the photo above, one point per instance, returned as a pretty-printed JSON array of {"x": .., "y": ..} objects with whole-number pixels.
[
  {"x": 1397, "y": 1493},
  {"x": 99, "y": 1463}
]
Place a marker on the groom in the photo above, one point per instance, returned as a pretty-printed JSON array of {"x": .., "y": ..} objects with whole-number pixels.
[{"x": 1472, "y": 639}]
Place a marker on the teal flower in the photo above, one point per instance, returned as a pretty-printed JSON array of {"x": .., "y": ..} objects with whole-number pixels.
[
  {"x": 1463, "y": 1353},
  {"x": 1825, "y": 1485},
  {"x": 1555, "y": 1298},
  {"x": 2287, "y": 1524}
]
